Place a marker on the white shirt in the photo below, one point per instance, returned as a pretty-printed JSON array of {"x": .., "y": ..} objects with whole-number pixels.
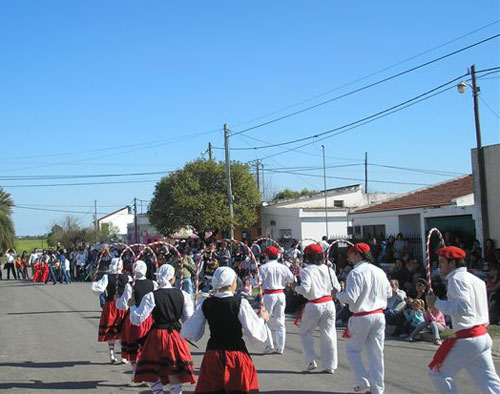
[
  {"x": 317, "y": 281},
  {"x": 141, "y": 313},
  {"x": 33, "y": 258},
  {"x": 253, "y": 326},
  {"x": 467, "y": 303},
  {"x": 10, "y": 258},
  {"x": 122, "y": 301},
  {"x": 275, "y": 276},
  {"x": 101, "y": 285},
  {"x": 397, "y": 301},
  {"x": 367, "y": 288}
]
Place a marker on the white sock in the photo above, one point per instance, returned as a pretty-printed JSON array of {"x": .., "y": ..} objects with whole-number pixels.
[
  {"x": 157, "y": 387},
  {"x": 176, "y": 388},
  {"x": 111, "y": 348}
]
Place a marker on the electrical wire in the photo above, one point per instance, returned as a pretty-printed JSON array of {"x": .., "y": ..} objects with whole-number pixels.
[
  {"x": 81, "y": 184},
  {"x": 49, "y": 177},
  {"x": 369, "y": 75},
  {"x": 367, "y": 86}
]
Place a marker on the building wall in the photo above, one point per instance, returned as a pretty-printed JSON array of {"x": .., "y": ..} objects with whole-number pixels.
[
  {"x": 275, "y": 219},
  {"x": 389, "y": 220},
  {"x": 492, "y": 173},
  {"x": 315, "y": 227},
  {"x": 120, "y": 220},
  {"x": 409, "y": 224}
]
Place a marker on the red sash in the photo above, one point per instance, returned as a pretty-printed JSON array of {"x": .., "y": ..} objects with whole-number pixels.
[
  {"x": 268, "y": 291},
  {"x": 320, "y": 300},
  {"x": 446, "y": 346},
  {"x": 357, "y": 314}
]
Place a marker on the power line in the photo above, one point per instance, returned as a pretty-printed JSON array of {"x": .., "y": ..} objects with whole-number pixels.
[
  {"x": 82, "y": 184},
  {"x": 358, "y": 122},
  {"x": 370, "y": 75},
  {"x": 51, "y": 210},
  {"x": 71, "y": 206},
  {"x": 487, "y": 106},
  {"x": 48, "y": 177},
  {"x": 367, "y": 86}
]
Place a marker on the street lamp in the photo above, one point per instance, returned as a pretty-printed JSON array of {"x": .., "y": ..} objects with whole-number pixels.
[{"x": 462, "y": 87}]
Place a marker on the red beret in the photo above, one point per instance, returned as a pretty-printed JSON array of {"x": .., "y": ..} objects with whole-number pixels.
[
  {"x": 313, "y": 249},
  {"x": 272, "y": 251},
  {"x": 451, "y": 252},
  {"x": 360, "y": 247}
]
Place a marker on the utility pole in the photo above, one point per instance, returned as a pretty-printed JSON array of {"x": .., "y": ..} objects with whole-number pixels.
[
  {"x": 210, "y": 151},
  {"x": 480, "y": 158},
  {"x": 228, "y": 179},
  {"x": 366, "y": 172},
  {"x": 257, "y": 165},
  {"x": 263, "y": 184},
  {"x": 96, "y": 225},
  {"x": 136, "y": 238},
  {"x": 324, "y": 187}
]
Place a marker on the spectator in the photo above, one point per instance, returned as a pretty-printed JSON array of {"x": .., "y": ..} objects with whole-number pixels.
[
  {"x": 434, "y": 319},
  {"x": 19, "y": 267},
  {"x": 224, "y": 256},
  {"x": 9, "y": 263},
  {"x": 489, "y": 252},
  {"x": 399, "y": 246},
  {"x": 34, "y": 256},
  {"x": 396, "y": 303},
  {"x": 64, "y": 267},
  {"x": 324, "y": 243},
  {"x": 296, "y": 269},
  {"x": 26, "y": 264},
  {"x": 493, "y": 291}
]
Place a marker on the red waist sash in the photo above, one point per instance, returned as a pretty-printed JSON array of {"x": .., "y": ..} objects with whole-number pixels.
[
  {"x": 320, "y": 300},
  {"x": 269, "y": 291},
  {"x": 447, "y": 345},
  {"x": 346, "y": 333}
]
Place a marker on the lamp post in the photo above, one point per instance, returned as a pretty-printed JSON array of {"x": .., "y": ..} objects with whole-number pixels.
[
  {"x": 324, "y": 187},
  {"x": 483, "y": 199}
]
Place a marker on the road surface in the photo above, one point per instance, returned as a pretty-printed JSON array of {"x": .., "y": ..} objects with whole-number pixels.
[{"x": 48, "y": 342}]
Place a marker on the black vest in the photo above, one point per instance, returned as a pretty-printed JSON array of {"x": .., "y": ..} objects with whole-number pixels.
[
  {"x": 169, "y": 304},
  {"x": 226, "y": 332},
  {"x": 116, "y": 285},
  {"x": 141, "y": 288}
]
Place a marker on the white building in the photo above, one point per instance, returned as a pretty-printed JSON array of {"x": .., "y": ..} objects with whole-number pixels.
[
  {"x": 119, "y": 219},
  {"x": 305, "y": 217},
  {"x": 146, "y": 232},
  {"x": 448, "y": 206}
]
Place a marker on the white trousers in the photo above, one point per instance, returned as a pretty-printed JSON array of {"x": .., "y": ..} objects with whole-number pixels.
[
  {"x": 473, "y": 354},
  {"x": 367, "y": 332},
  {"x": 275, "y": 306},
  {"x": 322, "y": 315}
]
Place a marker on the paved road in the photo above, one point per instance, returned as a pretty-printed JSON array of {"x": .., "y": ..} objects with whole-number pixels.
[{"x": 48, "y": 343}]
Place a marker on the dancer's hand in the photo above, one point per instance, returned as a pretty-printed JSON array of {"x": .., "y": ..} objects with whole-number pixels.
[{"x": 264, "y": 314}]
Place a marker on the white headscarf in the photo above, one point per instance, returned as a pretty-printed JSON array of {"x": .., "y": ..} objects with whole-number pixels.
[
  {"x": 116, "y": 266},
  {"x": 223, "y": 277},
  {"x": 164, "y": 274},
  {"x": 140, "y": 269}
]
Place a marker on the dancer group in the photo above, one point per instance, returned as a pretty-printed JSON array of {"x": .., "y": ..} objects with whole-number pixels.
[{"x": 154, "y": 321}]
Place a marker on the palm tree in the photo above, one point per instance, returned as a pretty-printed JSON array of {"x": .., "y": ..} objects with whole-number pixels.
[{"x": 7, "y": 232}]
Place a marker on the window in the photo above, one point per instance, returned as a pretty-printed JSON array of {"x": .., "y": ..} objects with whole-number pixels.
[
  {"x": 285, "y": 234},
  {"x": 338, "y": 203}
]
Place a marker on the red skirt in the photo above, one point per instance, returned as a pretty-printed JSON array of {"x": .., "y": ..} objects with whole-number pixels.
[
  {"x": 131, "y": 336},
  {"x": 227, "y": 372},
  {"x": 38, "y": 273},
  {"x": 111, "y": 322},
  {"x": 45, "y": 273},
  {"x": 164, "y": 354}
]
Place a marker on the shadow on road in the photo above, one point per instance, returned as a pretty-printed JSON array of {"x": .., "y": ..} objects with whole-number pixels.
[
  {"x": 47, "y": 312},
  {"x": 55, "y": 364},
  {"x": 39, "y": 385}
]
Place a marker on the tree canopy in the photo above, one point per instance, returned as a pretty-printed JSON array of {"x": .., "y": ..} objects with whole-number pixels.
[
  {"x": 7, "y": 232},
  {"x": 196, "y": 196},
  {"x": 288, "y": 193}
]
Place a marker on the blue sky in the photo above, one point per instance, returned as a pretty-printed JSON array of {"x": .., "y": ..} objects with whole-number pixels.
[{"x": 87, "y": 87}]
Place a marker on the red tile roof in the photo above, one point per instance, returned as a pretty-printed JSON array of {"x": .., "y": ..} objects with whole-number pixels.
[{"x": 434, "y": 196}]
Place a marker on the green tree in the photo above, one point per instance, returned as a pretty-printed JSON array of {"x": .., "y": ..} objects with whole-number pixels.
[
  {"x": 7, "y": 232},
  {"x": 288, "y": 193},
  {"x": 68, "y": 232},
  {"x": 196, "y": 196}
]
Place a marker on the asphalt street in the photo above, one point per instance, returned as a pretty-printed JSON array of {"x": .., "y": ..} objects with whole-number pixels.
[{"x": 48, "y": 342}]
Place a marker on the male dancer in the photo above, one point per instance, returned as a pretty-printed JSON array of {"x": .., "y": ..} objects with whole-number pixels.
[
  {"x": 275, "y": 277},
  {"x": 318, "y": 282},
  {"x": 467, "y": 305},
  {"x": 366, "y": 292},
  {"x": 110, "y": 324},
  {"x": 165, "y": 357}
]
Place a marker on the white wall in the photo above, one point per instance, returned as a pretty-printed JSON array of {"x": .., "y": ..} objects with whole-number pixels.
[
  {"x": 409, "y": 224},
  {"x": 284, "y": 219},
  {"x": 389, "y": 220},
  {"x": 120, "y": 220}
]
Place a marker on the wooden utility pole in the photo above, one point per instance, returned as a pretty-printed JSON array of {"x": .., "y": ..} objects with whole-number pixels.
[
  {"x": 136, "y": 238},
  {"x": 257, "y": 165},
  {"x": 96, "y": 224},
  {"x": 366, "y": 172},
  {"x": 228, "y": 179},
  {"x": 210, "y": 151}
]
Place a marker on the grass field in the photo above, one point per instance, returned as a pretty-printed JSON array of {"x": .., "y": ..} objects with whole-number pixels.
[{"x": 30, "y": 244}]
